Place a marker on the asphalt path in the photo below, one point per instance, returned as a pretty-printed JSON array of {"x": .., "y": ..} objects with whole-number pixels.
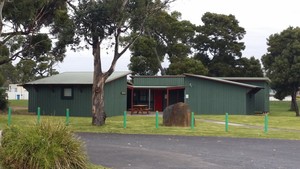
[{"x": 120, "y": 151}]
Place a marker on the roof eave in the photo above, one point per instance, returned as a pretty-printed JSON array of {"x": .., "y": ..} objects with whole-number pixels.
[{"x": 222, "y": 81}]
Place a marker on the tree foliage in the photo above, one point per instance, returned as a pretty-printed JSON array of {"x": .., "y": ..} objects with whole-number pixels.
[
  {"x": 282, "y": 63},
  {"x": 218, "y": 43},
  {"x": 187, "y": 65},
  {"x": 146, "y": 56},
  {"x": 248, "y": 67},
  {"x": 141, "y": 65},
  {"x": 165, "y": 35},
  {"x": 33, "y": 30}
]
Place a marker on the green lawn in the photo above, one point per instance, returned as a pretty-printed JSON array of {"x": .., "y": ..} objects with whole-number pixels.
[
  {"x": 281, "y": 108},
  {"x": 282, "y": 124},
  {"x": 18, "y": 103}
]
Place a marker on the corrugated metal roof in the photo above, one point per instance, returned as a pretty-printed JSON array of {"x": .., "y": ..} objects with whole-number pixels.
[
  {"x": 156, "y": 87},
  {"x": 76, "y": 78},
  {"x": 224, "y": 81},
  {"x": 165, "y": 76},
  {"x": 246, "y": 78}
]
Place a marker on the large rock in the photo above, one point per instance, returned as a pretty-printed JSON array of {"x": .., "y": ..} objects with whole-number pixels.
[{"x": 178, "y": 114}]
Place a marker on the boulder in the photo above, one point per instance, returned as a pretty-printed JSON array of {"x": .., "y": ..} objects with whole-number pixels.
[{"x": 178, "y": 114}]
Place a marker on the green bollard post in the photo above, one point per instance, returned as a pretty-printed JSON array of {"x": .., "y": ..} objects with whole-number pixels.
[
  {"x": 38, "y": 115},
  {"x": 9, "y": 116},
  {"x": 124, "y": 120},
  {"x": 156, "y": 119},
  {"x": 192, "y": 121},
  {"x": 67, "y": 117},
  {"x": 226, "y": 122},
  {"x": 266, "y": 123}
]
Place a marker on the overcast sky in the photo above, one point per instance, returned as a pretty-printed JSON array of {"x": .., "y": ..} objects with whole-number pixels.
[{"x": 260, "y": 18}]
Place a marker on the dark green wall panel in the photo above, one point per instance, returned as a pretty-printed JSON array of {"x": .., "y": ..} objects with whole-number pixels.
[
  {"x": 262, "y": 96},
  {"x": 49, "y": 99},
  {"x": 115, "y": 97},
  {"x": 211, "y": 97},
  {"x": 159, "y": 81}
]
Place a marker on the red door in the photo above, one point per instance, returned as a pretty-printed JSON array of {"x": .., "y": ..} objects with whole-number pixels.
[{"x": 158, "y": 99}]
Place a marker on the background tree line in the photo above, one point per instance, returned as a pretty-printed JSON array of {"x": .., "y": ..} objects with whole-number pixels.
[
  {"x": 213, "y": 49},
  {"x": 35, "y": 34}
]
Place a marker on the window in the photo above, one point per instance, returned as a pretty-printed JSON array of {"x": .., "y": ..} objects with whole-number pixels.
[
  {"x": 67, "y": 93},
  {"x": 143, "y": 96}
]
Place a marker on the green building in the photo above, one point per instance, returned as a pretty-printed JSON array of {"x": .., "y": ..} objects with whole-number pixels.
[
  {"x": 205, "y": 95},
  {"x": 262, "y": 96},
  {"x": 73, "y": 90}
]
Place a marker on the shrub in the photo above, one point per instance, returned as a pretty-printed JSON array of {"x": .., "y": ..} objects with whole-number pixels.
[{"x": 46, "y": 146}]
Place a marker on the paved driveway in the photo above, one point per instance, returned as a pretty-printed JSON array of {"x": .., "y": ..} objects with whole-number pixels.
[{"x": 179, "y": 152}]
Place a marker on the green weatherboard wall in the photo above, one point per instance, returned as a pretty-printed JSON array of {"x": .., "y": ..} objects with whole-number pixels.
[
  {"x": 49, "y": 98},
  {"x": 158, "y": 80},
  {"x": 50, "y": 101},
  {"x": 262, "y": 96},
  {"x": 214, "y": 97}
]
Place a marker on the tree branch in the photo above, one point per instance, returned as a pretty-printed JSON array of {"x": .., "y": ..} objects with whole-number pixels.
[
  {"x": 72, "y": 6},
  {"x": 1, "y": 17},
  {"x": 119, "y": 31}
]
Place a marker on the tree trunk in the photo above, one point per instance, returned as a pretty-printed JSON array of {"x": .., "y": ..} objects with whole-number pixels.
[
  {"x": 98, "y": 113},
  {"x": 1, "y": 17},
  {"x": 294, "y": 102},
  {"x": 162, "y": 70},
  {"x": 292, "y": 107}
]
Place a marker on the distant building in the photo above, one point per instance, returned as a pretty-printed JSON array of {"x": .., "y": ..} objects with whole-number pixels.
[{"x": 16, "y": 92}]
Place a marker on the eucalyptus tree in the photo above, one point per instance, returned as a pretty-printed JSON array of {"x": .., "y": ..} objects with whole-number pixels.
[
  {"x": 218, "y": 43},
  {"x": 99, "y": 21},
  {"x": 165, "y": 35},
  {"x": 282, "y": 63},
  {"x": 34, "y": 30}
]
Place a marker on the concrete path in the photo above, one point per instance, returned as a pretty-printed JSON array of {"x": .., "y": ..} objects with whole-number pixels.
[
  {"x": 246, "y": 125},
  {"x": 185, "y": 152}
]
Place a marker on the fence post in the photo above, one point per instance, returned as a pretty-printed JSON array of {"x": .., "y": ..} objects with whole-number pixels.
[
  {"x": 9, "y": 116},
  {"x": 38, "y": 115},
  {"x": 266, "y": 123},
  {"x": 124, "y": 120},
  {"x": 67, "y": 117},
  {"x": 226, "y": 122},
  {"x": 192, "y": 121},
  {"x": 156, "y": 119}
]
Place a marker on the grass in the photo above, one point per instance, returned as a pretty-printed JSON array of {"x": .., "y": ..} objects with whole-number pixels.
[
  {"x": 281, "y": 108},
  {"x": 282, "y": 124},
  {"x": 280, "y": 127},
  {"x": 18, "y": 103}
]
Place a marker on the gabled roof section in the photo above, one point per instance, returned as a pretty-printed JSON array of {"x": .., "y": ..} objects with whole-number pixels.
[
  {"x": 225, "y": 81},
  {"x": 76, "y": 78}
]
